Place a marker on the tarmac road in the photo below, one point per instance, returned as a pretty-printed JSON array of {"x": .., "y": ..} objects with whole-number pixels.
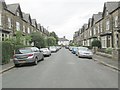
[{"x": 61, "y": 70}]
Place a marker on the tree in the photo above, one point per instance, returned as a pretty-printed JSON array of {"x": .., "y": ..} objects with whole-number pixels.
[
  {"x": 38, "y": 40},
  {"x": 53, "y": 34},
  {"x": 51, "y": 41}
]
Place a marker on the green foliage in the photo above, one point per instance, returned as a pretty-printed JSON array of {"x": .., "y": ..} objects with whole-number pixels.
[
  {"x": 109, "y": 50},
  {"x": 53, "y": 34},
  {"x": 7, "y": 51},
  {"x": 51, "y": 41},
  {"x": 19, "y": 38},
  {"x": 38, "y": 39},
  {"x": 28, "y": 38},
  {"x": 96, "y": 43}
]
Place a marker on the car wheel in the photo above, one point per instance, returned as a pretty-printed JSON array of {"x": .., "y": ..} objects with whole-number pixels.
[
  {"x": 17, "y": 65},
  {"x": 78, "y": 55},
  {"x": 42, "y": 58},
  {"x": 36, "y": 61}
]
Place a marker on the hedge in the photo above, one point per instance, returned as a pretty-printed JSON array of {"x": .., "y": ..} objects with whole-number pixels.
[{"x": 8, "y": 51}]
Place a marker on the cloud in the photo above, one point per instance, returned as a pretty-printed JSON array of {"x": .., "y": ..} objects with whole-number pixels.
[{"x": 62, "y": 16}]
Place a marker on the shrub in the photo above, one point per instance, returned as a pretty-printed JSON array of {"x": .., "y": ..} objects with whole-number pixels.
[
  {"x": 96, "y": 43},
  {"x": 109, "y": 50}
]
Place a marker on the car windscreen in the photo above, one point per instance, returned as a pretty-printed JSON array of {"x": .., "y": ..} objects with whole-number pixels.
[
  {"x": 83, "y": 49},
  {"x": 23, "y": 51}
]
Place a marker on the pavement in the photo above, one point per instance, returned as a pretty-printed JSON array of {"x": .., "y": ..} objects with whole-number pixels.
[
  {"x": 7, "y": 67},
  {"x": 101, "y": 59},
  {"x": 107, "y": 61}
]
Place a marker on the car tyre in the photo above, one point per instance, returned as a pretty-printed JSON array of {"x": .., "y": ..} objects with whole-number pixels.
[
  {"x": 42, "y": 58},
  {"x": 36, "y": 61},
  {"x": 17, "y": 65}
]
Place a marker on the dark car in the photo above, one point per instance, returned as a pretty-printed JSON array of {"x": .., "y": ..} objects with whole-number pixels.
[{"x": 74, "y": 49}]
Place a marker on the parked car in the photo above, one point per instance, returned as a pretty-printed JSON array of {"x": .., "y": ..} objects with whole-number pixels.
[
  {"x": 27, "y": 55},
  {"x": 74, "y": 49},
  {"x": 84, "y": 52},
  {"x": 53, "y": 49},
  {"x": 70, "y": 48},
  {"x": 45, "y": 51},
  {"x": 58, "y": 48}
]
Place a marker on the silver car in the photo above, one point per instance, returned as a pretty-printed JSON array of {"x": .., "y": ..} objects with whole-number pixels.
[
  {"x": 45, "y": 51},
  {"x": 27, "y": 55},
  {"x": 84, "y": 52}
]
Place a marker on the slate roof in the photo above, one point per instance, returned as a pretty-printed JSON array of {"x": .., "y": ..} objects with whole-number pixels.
[
  {"x": 89, "y": 22},
  {"x": 85, "y": 26},
  {"x": 34, "y": 22},
  {"x": 97, "y": 17},
  {"x": 13, "y": 7},
  {"x": 111, "y": 6},
  {"x": 39, "y": 26},
  {"x": 3, "y": 4},
  {"x": 26, "y": 17}
]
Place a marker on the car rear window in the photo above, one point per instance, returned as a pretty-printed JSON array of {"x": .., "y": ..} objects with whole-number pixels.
[{"x": 22, "y": 51}]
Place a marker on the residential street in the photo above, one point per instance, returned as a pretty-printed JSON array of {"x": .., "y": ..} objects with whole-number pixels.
[{"x": 62, "y": 70}]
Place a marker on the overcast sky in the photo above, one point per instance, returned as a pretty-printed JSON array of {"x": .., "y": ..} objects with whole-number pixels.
[{"x": 62, "y": 16}]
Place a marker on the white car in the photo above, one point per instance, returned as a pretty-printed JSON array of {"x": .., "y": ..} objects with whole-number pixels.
[
  {"x": 84, "y": 52},
  {"x": 53, "y": 49},
  {"x": 45, "y": 51}
]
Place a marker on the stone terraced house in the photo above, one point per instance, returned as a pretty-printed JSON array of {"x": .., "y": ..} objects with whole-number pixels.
[
  {"x": 13, "y": 19},
  {"x": 104, "y": 26}
]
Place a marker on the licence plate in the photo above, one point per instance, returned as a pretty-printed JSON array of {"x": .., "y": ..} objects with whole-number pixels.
[{"x": 22, "y": 61}]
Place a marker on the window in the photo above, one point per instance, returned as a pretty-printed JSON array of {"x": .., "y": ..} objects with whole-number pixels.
[
  {"x": 0, "y": 36},
  {"x": 24, "y": 29},
  {"x": 107, "y": 25},
  {"x": 17, "y": 26},
  {"x": 100, "y": 26},
  {"x": 107, "y": 12},
  {"x": 18, "y": 13},
  {"x": 28, "y": 30},
  {"x": 9, "y": 23},
  {"x": 94, "y": 30},
  {"x": 109, "y": 41},
  {"x": 116, "y": 39},
  {"x": 90, "y": 32},
  {"x": 98, "y": 29},
  {"x": 0, "y": 19},
  {"x": 104, "y": 44},
  {"x": 116, "y": 21}
]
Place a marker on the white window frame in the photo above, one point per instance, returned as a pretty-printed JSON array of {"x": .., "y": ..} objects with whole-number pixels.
[
  {"x": 101, "y": 30},
  {"x": 18, "y": 14},
  {"x": 28, "y": 30},
  {"x": 0, "y": 19},
  {"x": 116, "y": 21},
  {"x": 109, "y": 38},
  {"x": 90, "y": 32},
  {"x": 104, "y": 41},
  {"x": 107, "y": 25},
  {"x": 0, "y": 36},
  {"x": 23, "y": 28},
  {"x": 98, "y": 29},
  {"x": 9, "y": 22},
  {"x": 17, "y": 26},
  {"x": 94, "y": 30}
]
